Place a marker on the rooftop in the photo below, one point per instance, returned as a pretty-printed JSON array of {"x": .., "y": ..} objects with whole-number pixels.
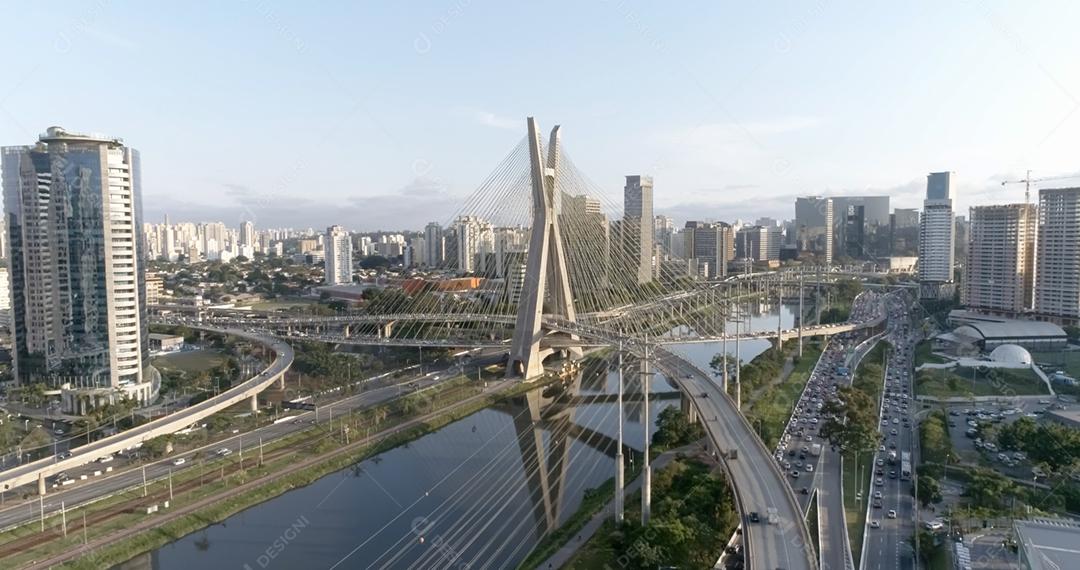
[
  {"x": 1049, "y": 544},
  {"x": 1012, "y": 328}
]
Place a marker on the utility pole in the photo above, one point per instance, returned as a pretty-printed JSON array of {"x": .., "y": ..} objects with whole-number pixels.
[
  {"x": 738, "y": 364},
  {"x": 85, "y": 541},
  {"x": 63, "y": 517},
  {"x": 144, "y": 480},
  {"x": 646, "y": 468},
  {"x": 619, "y": 475},
  {"x": 800, "y": 313},
  {"x": 41, "y": 507},
  {"x": 780, "y": 316},
  {"x": 260, "y": 452},
  {"x": 170, "y": 486}
]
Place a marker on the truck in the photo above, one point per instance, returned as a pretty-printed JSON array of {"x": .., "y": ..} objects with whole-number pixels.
[
  {"x": 815, "y": 449},
  {"x": 905, "y": 466},
  {"x": 772, "y": 516}
]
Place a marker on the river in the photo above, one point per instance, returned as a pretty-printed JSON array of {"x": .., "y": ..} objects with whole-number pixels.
[{"x": 467, "y": 495}]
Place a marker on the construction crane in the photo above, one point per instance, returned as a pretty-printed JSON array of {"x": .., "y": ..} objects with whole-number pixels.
[{"x": 1027, "y": 183}]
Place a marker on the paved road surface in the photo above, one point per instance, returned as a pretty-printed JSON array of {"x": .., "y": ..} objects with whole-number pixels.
[{"x": 759, "y": 484}]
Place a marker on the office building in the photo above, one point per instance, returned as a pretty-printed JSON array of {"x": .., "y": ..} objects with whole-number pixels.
[
  {"x": 339, "y": 268},
  {"x": 1057, "y": 275},
  {"x": 904, "y": 232},
  {"x": 637, "y": 225},
  {"x": 663, "y": 234},
  {"x": 999, "y": 274},
  {"x": 757, "y": 243},
  {"x": 710, "y": 246},
  {"x": 814, "y": 226},
  {"x": 77, "y": 283},
  {"x": 854, "y": 232},
  {"x": 937, "y": 237}
]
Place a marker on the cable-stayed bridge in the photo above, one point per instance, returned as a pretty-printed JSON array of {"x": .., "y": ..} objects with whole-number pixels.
[{"x": 540, "y": 263}]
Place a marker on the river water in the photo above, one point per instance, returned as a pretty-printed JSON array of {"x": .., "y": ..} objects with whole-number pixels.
[{"x": 469, "y": 495}]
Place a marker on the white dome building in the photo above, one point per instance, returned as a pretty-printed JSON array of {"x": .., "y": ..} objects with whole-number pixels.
[{"x": 1011, "y": 354}]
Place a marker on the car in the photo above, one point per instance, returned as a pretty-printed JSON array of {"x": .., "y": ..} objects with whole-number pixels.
[
  {"x": 58, "y": 431},
  {"x": 877, "y": 503},
  {"x": 754, "y": 517},
  {"x": 877, "y": 494},
  {"x": 880, "y": 461},
  {"x": 179, "y": 461},
  {"x": 64, "y": 454},
  {"x": 892, "y": 474},
  {"x": 891, "y": 514},
  {"x": 809, "y": 467},
  {"x": 875, "y": 524},
  {"x": 798, "y": 464},
  {"x": 794, "y": 474},
  {"x": 893, "y": 432},
  {"x": 879, "y": 482},
  {"x": 104, "y": 459},
  {"x": 804, "y": 491}
]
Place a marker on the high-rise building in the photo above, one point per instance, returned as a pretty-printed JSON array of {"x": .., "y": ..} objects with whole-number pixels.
[
  {"x": 636, "y": 230},
  {"x": 663, "y": 233},
  {"x": 1057, "y": 277},
  {"x": 999, "y": 274},
  {"x": 814, "y": 226},
  {"x": 757, "y": 243},
  {"x": 904, "y": 232},
  {"x": 434, "y": 244},
  {"x": 475, "y": 238},
  {"x": 339, "y": 267},
  {"x": 937, "y": 237},
  {"x": 78, "y": 290},
  {"x": 855, "y": 242},
  {"x": 711, "y": 246},
  {"x": 247, "y": 234}
]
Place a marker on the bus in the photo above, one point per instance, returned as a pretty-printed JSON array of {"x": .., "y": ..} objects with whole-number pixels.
[{"x": 905, "y": 466}]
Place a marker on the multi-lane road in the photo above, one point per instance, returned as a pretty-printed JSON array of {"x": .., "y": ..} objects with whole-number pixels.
[
  {"x": 759, "y": 485},
  {"x": 891, "y": 522},
  {"x": 126, "y": 475}
]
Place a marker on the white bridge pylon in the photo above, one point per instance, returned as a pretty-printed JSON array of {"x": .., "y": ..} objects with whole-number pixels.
[{"x": 546, "y": 273}]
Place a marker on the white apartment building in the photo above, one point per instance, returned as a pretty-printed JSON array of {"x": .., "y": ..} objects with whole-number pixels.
[
  {"x": 339, "y": 267},
  {"x": 1057, "y": 275},
  {"x": 999, "y": 274},
  {"x": 937, "y": 235}
]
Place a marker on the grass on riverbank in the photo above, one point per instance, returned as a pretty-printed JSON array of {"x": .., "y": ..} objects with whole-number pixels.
[
  {"x": 769, "y": 413},
  {"x": 693, "y": 515},
  {"x": 962, "y": 382},
  {"x": 335, "y": 459}
]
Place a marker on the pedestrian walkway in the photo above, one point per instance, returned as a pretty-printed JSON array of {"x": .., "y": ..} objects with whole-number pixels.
[{"x": 567, "y": 551}]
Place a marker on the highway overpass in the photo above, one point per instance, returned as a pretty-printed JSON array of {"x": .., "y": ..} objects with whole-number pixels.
[{"x": 41, "y": 469}]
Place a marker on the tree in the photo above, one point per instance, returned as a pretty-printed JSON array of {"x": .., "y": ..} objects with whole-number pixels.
[
  {"x": 850, "y": 420},
  {"x": 929, "y": 490},
  {"x": 988, "y": 488},
  {"x": 674, "y": 429}
]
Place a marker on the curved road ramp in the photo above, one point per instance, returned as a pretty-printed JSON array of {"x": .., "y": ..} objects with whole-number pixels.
[
  {"x": 41, "y": 469},
  {"x": 784, "y": 542}
]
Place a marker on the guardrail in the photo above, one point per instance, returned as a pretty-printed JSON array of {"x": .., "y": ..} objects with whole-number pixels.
[
  {"x": 786, "y": 490},
  {"x": 36, "y": 471}
]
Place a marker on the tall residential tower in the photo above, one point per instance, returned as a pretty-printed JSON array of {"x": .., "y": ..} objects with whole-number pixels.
[
  {"x": 937, "y": 237},
  {"x": 1057, "y": 278},
  {"x": 338, "y": 256},
  {"x": 72, "y": 205},
  {"x": 1000, "y": 270}
]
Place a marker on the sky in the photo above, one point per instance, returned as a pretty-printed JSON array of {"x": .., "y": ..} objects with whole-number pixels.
[{"x": 385, "y": 115}]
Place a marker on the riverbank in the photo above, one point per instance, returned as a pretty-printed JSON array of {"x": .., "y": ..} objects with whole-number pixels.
[
  {"x": 693, "y": 512},
  {"x": 196, "y": 504}
]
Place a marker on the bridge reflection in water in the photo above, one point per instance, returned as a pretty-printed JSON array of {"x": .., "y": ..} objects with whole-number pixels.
[{"x": 482, "y": 490}]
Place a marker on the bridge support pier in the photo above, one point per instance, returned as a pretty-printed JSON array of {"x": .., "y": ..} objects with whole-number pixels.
[
  {"x": 41, "y": 483},
  {"x": 686, "y": 402},
  {"x": 281, "y": 382},
  {"x": 254, "y": 401}
]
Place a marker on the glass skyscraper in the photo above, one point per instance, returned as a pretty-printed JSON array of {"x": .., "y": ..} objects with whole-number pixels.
[{"x": 73, "y": 213}]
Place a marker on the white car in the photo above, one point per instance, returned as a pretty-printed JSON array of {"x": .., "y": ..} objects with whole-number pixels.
[
  {"x": 875, "y": 524},
  {"x": 891, "y": 514},
  {"x": 179, "y": 461},
  {"x": 104, "y": 459}
]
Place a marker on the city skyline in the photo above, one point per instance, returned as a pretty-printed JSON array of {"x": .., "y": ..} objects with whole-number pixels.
[{"x": 706, "y": 136}]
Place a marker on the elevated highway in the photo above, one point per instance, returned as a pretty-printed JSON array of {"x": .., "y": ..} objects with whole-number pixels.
[
  {"x": 756, "y": 479},
  {"x": 246, "y": 391}
]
